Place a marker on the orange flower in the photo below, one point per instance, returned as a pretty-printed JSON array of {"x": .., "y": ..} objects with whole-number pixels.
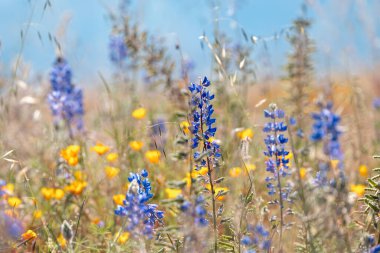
[
  {"x": 37, "y": 214},
  {"x": 70, "y": 154},
  {"x": 235, "y": 172},
  {"x": 112, "y": 157},
  {"x": 363, "y": 171},
  {"x": 76, "y": 187},
  {"x": 100, "y": 148},
  {"x": 153, "y": 156},
  {"x": 302, "y": 173},
  {"x": 29, "y": 235},
  {"x": 118, "y": 199},
  {"x": 111, "y": 172},
  {"x": 136, "y": 145},
  {"x": 47, "y": 193}
]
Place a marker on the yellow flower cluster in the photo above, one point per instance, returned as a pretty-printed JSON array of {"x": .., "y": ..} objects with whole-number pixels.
[
  {"x": 76, "y": 187},
  {"x": 70, "y": 154},
  {"x": 52, "y": 193}
]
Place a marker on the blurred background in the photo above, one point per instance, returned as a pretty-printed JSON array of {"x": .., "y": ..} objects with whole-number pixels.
[{"x": 346, "y": 33}]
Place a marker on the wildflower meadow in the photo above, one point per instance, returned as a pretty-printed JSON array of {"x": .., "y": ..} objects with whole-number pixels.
[{"x": 254, "y": 143}]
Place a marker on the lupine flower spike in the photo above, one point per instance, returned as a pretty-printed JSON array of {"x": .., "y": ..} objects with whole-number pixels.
[
  {"x": 203, "y": 132},
  {"x": 141, "y": 216},
  {"x": 66, "y": 100},
  {"x": 326, "y": 130},
  {"x": 276, "y": 163}
]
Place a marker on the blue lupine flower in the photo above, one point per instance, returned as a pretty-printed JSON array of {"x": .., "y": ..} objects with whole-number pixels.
[
  {"x": 11, "y": 225},
  {"x": 326, "y": 130},
  {"x": 202, "y": 121},
  {"x": 141, "y": 216},
  {"x": 257, "y": 238},
  {"x": 276, "y": 164},
  {"x": 376, "y": 103},
  {"x": 118, "y": 48},
  {"x": 375, "y": 249},
  {"x": 326, "y": 127},
  {"x": 198, "y": 211},
  {"x": 66, "y": 100}
]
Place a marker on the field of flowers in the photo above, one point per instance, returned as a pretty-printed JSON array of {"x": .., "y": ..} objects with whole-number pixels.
[{"x": 161, "y": 159}]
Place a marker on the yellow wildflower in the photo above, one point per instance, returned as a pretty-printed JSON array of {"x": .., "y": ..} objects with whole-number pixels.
[
  {"x": 118, "y": 199},
  {"x": 139, "y": 113},
  {"x": 202, "y": 171},
  {"x": 112, "y": 157},
  {"x": 100, "y": 148},
  {"x": 50, "y": 193},
  {"x": 172, "y": 193},
  {"x": 250, "y": 167},
  {"x": 359, "y": 189},
  {"x": 70, "y": 154},
  {"x": 153, "y": 156},
  {"x": 302, "y": 173},
  {"x": 47, "y": 193},
  {"x": 76, "y": 187},
  {"x": 71, "y": 150},
  {"x": 58, "y": 194},
  {"x": 235, "y": 172},
  {"x": 9, "y": 188},
  {"x": 363, "y": 171},
  {"x": 334, "y": 164},
  {"x": 14, "y": 201},
  {"x": 123, "y": 238},
  {"x": 245, "y": 134},
  {"x": 29, "y": 235},
  {"x": 136, "y": 145},
  {"x": 96, "y": 221},
  {"x": 61, "y": 240},
  {"x": 37, "y": 214},
  {"x": 185, "y": 126},
  {"x": 220, "y": 189},
  {"x": 111, "y": 172},
  {"x": 78, "y": 175}
]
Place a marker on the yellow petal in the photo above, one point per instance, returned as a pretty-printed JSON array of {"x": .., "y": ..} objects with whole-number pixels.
[{"x": 139, "y": 113}]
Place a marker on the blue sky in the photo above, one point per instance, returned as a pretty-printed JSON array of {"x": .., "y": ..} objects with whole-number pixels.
[{"x": 346, "y": 32}]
